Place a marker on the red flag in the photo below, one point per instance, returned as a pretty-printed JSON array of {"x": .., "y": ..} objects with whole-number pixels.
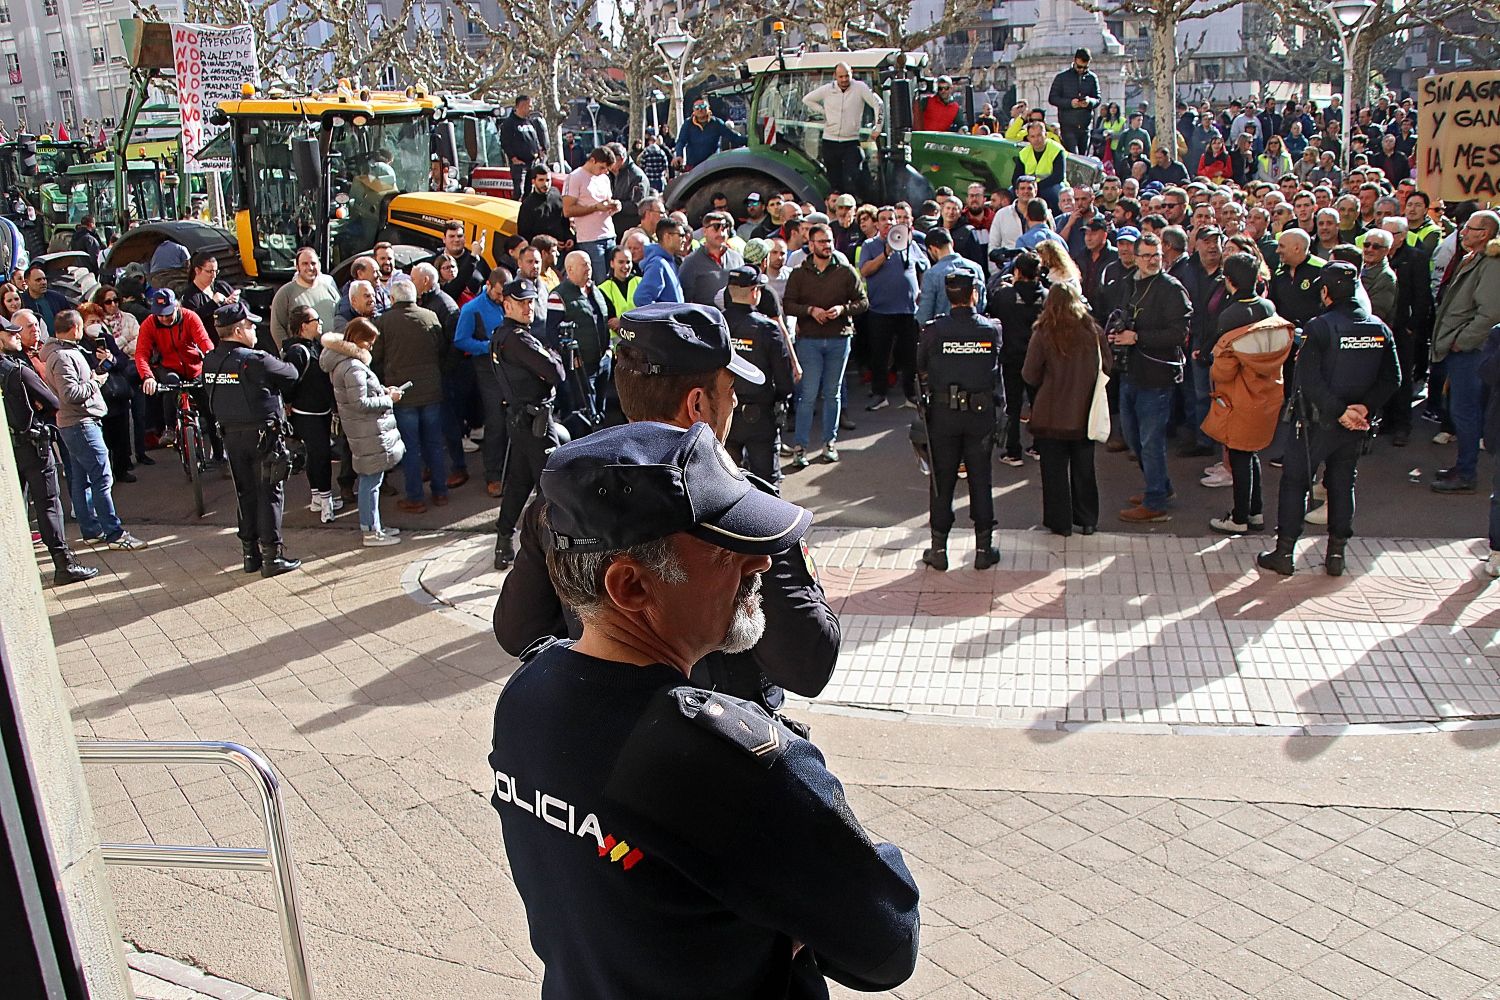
[
  {"x": 62, "y": 132},
  {"x": 102, "y": 137}
]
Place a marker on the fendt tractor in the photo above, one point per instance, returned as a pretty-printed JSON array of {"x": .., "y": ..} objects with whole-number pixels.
[
  {"x": 784, "y": 137},
  {"x": 339, "y": 172}
]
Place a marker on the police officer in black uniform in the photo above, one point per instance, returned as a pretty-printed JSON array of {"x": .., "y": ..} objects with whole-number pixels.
[
  {"x": 1346, "y": 372},
  {"x": 710, "y": 848},
  {"x": 529, "y": 374},
  {"x": 676, "y": 364},
  {"x": 244, "y": 386},
  {"x": 958, "y": 357},
  {"x": 754, "y": 436},
  {"x": 29, "y": 404}
]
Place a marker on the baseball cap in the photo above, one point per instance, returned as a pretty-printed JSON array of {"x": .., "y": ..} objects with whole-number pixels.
[
  {"x": 846, "y": 201},
  {"x": 1098, "y": 225},
  {"x": 746, "y": 277},
  {"x": 755, "y": 251},
  {"x": 682, "y": 338},
  {"x": 6, "y": 326},
  {"x": 816, "y": 219},
  {"x": 234, "y": 312},
  {"x": 163, "y": 302},
  {"x": 1340, "y": 280},
  {"x": 650, "y": 130},
  {"x": 1127, "y": 234},
  {"x": 753, "y": 198},
  {"x": 635, "y": 483},
  {"x": 519, "y": 290}
]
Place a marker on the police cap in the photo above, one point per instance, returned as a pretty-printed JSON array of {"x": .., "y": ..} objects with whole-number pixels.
[
  {"x": 682, "y": 338},
  {"x": 1339, "y": 280},
  {"x": 639, "y": 482},
  {"x": 519, "y": 290},
  {"x": 228, "y": 315},
  {"x": 746, "y": 277},
  {"x": 959, "y": 280}
]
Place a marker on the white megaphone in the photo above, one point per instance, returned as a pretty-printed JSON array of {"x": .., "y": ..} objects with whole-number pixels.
[{"x": 899, "y": 238}]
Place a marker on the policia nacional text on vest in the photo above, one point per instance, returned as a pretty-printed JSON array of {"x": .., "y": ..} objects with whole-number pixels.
[{"x": 958, "y": 358}]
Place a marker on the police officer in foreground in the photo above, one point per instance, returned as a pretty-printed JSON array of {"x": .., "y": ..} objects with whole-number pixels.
[
  {"x": 244, "y": 386},
  {"x": 958, "y": 357},
  {"x": 754, "y": 435},
  {"x": 709, "y": 847},
  {"x": 1346, "y": 372},
  {"x": 676, "y": 364},
  {"x": 28, "y": 405},
  {"x": 529, "y": 374}
]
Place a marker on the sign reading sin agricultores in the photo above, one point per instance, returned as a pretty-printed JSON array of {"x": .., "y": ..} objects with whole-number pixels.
[
  {"x": 1458, "y": 120},
  {"x": 211, "y": 63}
]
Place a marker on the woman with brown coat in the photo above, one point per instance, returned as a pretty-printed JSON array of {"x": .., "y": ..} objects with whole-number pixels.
[
  {"x": 1063, "y": 360},
  {"x": 1248, "y": 390}
]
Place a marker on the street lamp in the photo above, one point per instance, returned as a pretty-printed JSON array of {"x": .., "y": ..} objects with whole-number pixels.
[
  {"x": 674, "y": 47},
  {"x": 592, "y": 107},
  {"x": 1348, "y": 17},
  {"x": 656, "y": 98}
]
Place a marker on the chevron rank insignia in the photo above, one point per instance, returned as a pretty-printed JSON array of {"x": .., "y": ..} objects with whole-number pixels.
[{"x": 745, "y": 725}]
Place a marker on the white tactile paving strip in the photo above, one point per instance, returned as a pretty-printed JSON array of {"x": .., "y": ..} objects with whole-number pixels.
[{"x": 1151, "y": 633}]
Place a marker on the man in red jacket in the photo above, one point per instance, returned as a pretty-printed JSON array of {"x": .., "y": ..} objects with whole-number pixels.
[
  {"x": 175, "y": 339},
  {"x": 940, "y": 112}
]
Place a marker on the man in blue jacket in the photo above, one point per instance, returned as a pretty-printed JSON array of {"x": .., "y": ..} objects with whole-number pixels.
[
  {"x": 479, "y": 317},
  {"x": 703, "y": 135},
  {"x": 659, "y": 282}
]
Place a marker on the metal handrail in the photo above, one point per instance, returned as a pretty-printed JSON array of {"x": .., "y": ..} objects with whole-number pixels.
[{"x": 275, "y": 859}]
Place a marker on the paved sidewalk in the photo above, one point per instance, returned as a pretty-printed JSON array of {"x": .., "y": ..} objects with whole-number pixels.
[{"x": 1052, "y": 863}]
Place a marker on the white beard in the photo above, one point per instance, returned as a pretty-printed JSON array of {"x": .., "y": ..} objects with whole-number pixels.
[{"x": 749, "y": 622}]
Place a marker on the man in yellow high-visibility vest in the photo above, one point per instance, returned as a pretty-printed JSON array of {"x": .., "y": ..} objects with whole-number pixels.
[{"x": 1045, "y": 159}]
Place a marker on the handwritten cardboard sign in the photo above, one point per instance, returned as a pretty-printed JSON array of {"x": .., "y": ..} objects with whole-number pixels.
[
  {"x": 211, "y": 63},
  {"x": 1458, "y": 122}
]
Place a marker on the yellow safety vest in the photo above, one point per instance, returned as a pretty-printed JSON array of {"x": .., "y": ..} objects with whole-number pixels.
[
  {"x": 1040, "y": 165},
  {"x": 621, "y": 302}
]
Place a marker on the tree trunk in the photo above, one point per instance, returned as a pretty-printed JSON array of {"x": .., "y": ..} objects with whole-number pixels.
[
  {"x": 1359, "y": 57},
  {"x": 1163, "y": 31}
]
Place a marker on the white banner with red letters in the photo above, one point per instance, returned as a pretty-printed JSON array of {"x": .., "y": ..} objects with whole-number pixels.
[{"x": 212, "y": 63}]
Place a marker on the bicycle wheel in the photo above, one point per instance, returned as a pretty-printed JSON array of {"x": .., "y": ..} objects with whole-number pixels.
[{"x": 192, "y": 451}]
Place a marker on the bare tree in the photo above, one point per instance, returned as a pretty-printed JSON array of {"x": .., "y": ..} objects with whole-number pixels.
[{"x": 882, "y": 23}]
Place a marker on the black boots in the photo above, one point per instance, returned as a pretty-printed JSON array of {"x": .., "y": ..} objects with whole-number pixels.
[
  {"x": 67, "y": 570},
  {"x": 274, "y": 561},
  {"x": 252, "y": 556},
  {"x": 1280, "y": 560},
  {"x": 505, "y": 553},
  {"x": 937, "y": 556},
  {"x": 1333, "y": 563},
  {"x": 985, "y": 553}
]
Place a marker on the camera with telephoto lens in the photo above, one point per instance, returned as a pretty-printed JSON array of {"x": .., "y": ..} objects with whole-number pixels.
[
  {"x": 567, "y": 344},
  {"x": 1118, "y": 323}
]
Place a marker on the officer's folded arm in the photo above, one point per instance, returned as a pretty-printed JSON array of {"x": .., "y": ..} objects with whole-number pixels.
[{"x": 800, "y": 647}]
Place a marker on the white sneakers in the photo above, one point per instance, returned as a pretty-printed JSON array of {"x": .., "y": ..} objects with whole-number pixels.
[
  {"x": 387, "y": 536},
  {"x": 326, "y": 505},
  {"x": 469, "y": 446},
  {"x": 1492, "y": 564},
  {"x": 1216, "y": 476},
  {"x": 1443, "y": 437}
]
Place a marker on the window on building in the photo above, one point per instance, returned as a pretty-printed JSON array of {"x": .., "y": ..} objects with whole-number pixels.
[
  {"x": 21, "y": 120},
  {"x": 69, "y": 113},
  {"x": 4, "y": 13},
  {"x": 49, "y": 8},
  {"x": 98, "y": 54},
  {"x": 474, "y": 27},
  {"x": 12, "y": 62},
  {"x": 59, "y": 62},
  {"x": 387, "y": 78}
]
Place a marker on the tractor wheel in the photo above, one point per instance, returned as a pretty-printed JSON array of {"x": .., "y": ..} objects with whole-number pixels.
[{"x": 734, "y": 186}]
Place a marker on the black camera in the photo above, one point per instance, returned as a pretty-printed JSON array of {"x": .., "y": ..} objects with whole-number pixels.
[{"x": 1117, "y": 323}]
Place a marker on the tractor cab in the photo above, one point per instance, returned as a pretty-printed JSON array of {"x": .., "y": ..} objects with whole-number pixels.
[{"x": 93, "y": 193}]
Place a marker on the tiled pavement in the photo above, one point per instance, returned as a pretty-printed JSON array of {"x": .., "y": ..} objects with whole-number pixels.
[
  {"x": 1159, "y": 632},
  {"x": 376, "y": 711}
]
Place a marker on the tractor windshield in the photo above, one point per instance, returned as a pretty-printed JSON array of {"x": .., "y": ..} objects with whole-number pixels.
[
  {"x": 786, "y": 122},
  {"x": 478, "y": 145}
]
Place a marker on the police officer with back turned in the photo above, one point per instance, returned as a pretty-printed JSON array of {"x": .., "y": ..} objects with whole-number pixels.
[
  {"x": 753, "y": 435},
  {"x": 958, "y": 357},
  {"x": 529, "y": 373},
  {"x": 244, "y": 386},
  {"x": 1346, "y": 372}
]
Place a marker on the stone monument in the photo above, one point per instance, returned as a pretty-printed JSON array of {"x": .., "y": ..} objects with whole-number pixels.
[{"x": 1062, "y": 27}]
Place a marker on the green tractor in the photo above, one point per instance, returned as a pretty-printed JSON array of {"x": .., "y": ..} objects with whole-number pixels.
[
  {"x": 92, "y": 191},
  {"x": 784, "y": 136},
  {"x": 36, "y": 168}
]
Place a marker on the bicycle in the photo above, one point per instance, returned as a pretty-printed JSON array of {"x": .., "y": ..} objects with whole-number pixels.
[{"x": 190, "y": 438}]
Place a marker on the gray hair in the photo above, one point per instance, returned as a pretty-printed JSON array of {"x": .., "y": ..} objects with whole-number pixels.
[
  {"x": 578, "y": 577},
  {"x": 427, "y": 271},
  {"x": 66, "y": 322},
  {"x": 1176, "y": 237},
  {"x": 403, "y": 290},
  {"x": 1490, "y": 219},
  {"x": 360, "y": 284},
  {"x": 1395, "y": 225},
  {"x": 1327, "y": 213},
  {"x": 1297, "y": 235},
  {"x": 1380, "y": 237}
]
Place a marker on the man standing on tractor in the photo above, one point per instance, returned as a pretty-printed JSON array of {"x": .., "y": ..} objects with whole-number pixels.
[
  {"x": 703, "y": 135},
  {"x": 1075, "y": 95},
  {"x": 940, "y": 112},
  {"x": 842, "y": 103}
]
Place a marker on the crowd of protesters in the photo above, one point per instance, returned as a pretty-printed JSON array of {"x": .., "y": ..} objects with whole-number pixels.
[{"x": 1232, "y": 215}]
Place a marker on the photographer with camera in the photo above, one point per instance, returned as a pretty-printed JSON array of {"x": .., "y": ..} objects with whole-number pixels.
[
  {"x": 244, "y": 386},
  {"x": 529, "y": 373},
  {"x": 28, "y": 404},
  {"x": 1148, "y": 333}
]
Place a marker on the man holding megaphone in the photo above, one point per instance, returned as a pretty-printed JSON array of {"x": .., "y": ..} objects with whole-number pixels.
[{"x": 889, "y": 267}]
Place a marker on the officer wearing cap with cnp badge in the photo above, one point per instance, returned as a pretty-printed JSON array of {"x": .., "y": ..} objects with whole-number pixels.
[
  {"x": 675, "y": 363},
  {"x": 667, "y": 841},
  {"x": 958, "y": 357},
  {"x": 529, "y": 374},
  {"x": 754, "y": 434},
  {"x": 244, "y": 386},
  {"x": 1346, "y": 372}
]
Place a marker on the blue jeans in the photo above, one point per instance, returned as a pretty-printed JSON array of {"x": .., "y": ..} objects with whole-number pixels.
[
  {"x": 823, "y": 360},
  {"x": 1144, "y": 413},
  {"x": 90, "y": 481},
  {"x": 459, "y": 390},
  {"x": 369, "y": 500},
  {"x": 1203, "y": 384},
  {"x": 1466, "y": 407},
  {"x": 421, "y": 430},
  {"x": 1495, "y": 508},
  {"x": 598, "y": 251}
]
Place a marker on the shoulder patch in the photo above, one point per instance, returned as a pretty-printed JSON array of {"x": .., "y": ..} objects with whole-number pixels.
[{"x": 745, "y": 725}]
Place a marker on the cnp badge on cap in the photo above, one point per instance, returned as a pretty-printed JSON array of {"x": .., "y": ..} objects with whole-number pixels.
[
  {"x": 231, "y": 313},
  {"x": 635, "y": 483},
  {"x": 684, "y": 339},
  {"x": 747, "y": 277}
]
